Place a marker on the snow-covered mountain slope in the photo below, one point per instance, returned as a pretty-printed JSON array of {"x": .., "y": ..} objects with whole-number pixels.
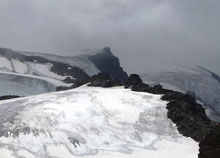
[
  {"x": 60, "y": 67},
  {"x": 92, "y": 123},
  {"x": 25, "y": 85},
  {"x": 56, "y": 70},
  {"x": 199, "y": 82}
]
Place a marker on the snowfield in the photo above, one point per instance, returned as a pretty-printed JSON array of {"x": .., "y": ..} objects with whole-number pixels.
[
  {"x": 26, "y": 84},
  {"x": 91, "y": 122}
]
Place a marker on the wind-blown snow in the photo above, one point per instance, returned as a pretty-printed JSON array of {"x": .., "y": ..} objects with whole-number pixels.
[{"x": 91, "y": 123}]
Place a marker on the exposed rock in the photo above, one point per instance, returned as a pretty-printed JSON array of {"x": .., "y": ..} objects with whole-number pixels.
[
  {"x": 135, "y": 83},
  {"x": 210, "y": 146},
  {"x": 8, "y": 97},
  {"x": 173, "y": 95},
  {"x": 69, "y": 80},
  {"x": 141, "y": 87},
  {"x": 133, "y": 80},
  {"x": 107, "y": 63},
  {"x": 103, "y": 80},
  {"x": 157, "y": 89},
  {"x": 190, "y": 118},
  {"x": 62, "y": 88},
  {"x": 99, "y": 80}
]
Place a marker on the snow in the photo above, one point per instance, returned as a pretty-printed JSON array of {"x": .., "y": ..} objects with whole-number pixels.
[
  {"x": 50, "y": 80},
  {"x": 25, "y": 85},
  {"x": 25, "y": 154},
  {"x": 19, "y": 66},
  {"x": 44, "y": 70},
  {"x": 5, "y": 64},
  {"x": 92, "y": 123},
  {"x": 81, "y": 61},
  {"x": 6, "y": 153}
]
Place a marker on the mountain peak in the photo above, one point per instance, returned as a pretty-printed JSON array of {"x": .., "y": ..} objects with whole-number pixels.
[{"x": 107, "y": 50}]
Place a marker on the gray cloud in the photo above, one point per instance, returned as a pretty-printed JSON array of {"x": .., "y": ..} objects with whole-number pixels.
[{"x": 146, "y": 34}]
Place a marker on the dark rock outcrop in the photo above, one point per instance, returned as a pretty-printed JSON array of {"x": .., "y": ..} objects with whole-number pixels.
[
  {"x": 189, "y": 116},
  {"x": 107, "y": 63},
  {"x": 8, "y": 97},
  {"x": 133, "y": 80},
  {"x": 103, "y": 80},
  {"x": 99, "y": 80},
  {"x": 210, "y": 146}
]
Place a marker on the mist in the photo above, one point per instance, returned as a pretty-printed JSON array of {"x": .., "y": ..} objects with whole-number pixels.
[{"x": 147, "y": 35}]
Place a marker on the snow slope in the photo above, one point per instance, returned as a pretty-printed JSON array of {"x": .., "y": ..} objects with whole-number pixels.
[
  {"x": 92, "y": 123},
  {"x": 25, "y": 85}
]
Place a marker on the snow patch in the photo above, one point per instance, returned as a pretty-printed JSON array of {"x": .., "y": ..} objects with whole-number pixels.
[{"x": 5, "y": 64}]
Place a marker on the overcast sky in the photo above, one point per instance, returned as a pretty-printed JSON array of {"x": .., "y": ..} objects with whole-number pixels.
[{"x": 145, "y": 34}]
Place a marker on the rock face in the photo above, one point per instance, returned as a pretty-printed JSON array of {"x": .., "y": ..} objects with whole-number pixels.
[
  {"x": 8, "y": 97},
  {"x": 183, "y": 110},
  {"x": 99, "y": 80},
  {"x": 103, "y": 80},
  {"x": 133, "y": 80},
  {"x": 107, "y": 63},
  {"x": 188, "y": 115},
  {"x": 210, "y": 146}
]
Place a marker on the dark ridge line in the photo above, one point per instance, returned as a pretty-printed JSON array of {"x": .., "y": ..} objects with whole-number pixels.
[
  {"x": 214, "y": 75},
  {"x": 5, "y": 97}
]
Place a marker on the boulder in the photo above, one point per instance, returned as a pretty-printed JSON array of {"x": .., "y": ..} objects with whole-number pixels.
[
  {"x": 103, "y": 80},
  {"x": 8, "y": 97},
  {"x": 134, "y": 79},
  {"x": 210, "y": 146}
]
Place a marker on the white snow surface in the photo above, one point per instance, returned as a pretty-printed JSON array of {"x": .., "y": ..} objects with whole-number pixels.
[
  {"x": 92, "y": 123},
  {"x": 5, "y": 64}
]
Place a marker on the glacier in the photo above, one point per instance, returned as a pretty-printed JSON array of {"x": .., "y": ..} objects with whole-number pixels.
[
  {"x": 91, "y": 122},
  {"x": 25, "y": 85},
  {"x": 199, "y": 82}
]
